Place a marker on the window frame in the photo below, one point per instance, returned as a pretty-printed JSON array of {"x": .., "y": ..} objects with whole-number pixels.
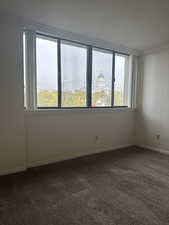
[
  {"x": 58, "y": 70},
  {"x": 31, "y": 73},
  {"x": 113, "y": 75},
  {"x": 129, "y": 84},
  {"x": 77, "y": 44}
]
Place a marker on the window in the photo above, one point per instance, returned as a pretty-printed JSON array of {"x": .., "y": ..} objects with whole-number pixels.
[
  {"x": 74, "y": 74},
  {"x": 121, "y": 86},
  {"x": 47, "y": 73},
  {"x": 102, "y": 78},
  {"x": 68, "y": 74}
]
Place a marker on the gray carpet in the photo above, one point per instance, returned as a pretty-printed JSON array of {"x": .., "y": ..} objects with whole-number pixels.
[{"x": 124, "y": 187}]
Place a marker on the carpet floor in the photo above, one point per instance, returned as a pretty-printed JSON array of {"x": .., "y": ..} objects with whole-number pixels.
[{"x": 124, "y": 187}]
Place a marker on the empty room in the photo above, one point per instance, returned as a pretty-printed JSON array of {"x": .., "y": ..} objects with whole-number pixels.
[{"x": 84, "y": 112}]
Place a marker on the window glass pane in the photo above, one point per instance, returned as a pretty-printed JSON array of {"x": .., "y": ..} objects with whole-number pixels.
[
  {"x": 73, "y": 69},
  {"x": 47, "y": 75},
  {"x": 101, "y": 78},
  {"x": 121, "y": 89}
]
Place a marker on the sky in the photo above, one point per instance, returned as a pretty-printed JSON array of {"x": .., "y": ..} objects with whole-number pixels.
[{"x": 74, "y": 71}]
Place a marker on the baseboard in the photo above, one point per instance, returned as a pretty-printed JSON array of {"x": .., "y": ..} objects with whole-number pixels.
[
  {"x": 67, "y": 156},
  {"x": 77, "y": 155},
  {"x": 161, "y": 150},
  {"x": 12, "y": 171}
]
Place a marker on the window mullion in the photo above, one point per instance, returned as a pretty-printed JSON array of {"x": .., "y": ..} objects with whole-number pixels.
[
  {"x": 59, "y": 75},
  {"x": 89, "y": 76},
  {"x": 113, "y": 79}
]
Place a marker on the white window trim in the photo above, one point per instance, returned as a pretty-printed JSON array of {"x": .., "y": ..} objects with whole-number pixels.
[{"x": 30, "y": 56}]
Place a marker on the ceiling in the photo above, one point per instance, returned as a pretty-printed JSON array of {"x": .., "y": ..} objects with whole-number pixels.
[{"x": 137, "y": 24}]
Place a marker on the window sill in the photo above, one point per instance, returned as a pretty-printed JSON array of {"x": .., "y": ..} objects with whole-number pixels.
[{"x": 81, "y": 110}]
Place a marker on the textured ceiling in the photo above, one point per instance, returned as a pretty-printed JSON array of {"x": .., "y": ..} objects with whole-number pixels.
[{"x": 137, "y": 24}]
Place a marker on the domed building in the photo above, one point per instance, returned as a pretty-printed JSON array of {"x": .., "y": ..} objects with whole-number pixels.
[
  {"x": 103, "y": 92},
  {"x": 100, "y": 83}
]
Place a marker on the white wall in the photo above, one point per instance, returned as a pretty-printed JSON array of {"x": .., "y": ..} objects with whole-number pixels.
[
  {"x": 12, "y": 132},
  {"x": 28, "y": 139},
  {"x": 53, "y": 136},
  {"x": 153, "y": 110}
]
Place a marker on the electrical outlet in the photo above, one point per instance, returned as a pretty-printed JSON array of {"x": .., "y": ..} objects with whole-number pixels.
[
  {"x": 96, "y": 138},
  {"x": 158, "y": 136}
]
